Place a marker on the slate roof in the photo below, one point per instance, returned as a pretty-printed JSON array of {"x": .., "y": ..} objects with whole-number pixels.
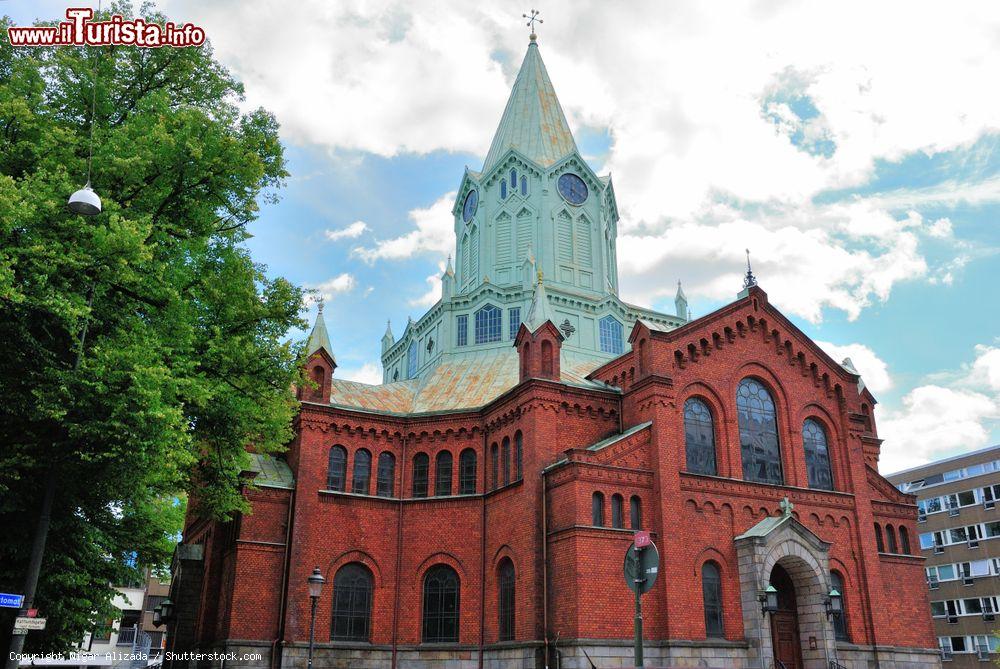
[
  {"x": 271, "y": 472},
  {"x": 319, "y": 337},
  {"x": 466, "y": 380},
  {"x": 533, "y": 121}
]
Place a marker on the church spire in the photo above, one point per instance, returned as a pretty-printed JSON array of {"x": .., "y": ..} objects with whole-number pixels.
[
  {"x": 538, "y": 312},
  {"x": 319, "y": 338},
  {"x": 533, "y": 121},
  {"x": 681, "y": 302}
]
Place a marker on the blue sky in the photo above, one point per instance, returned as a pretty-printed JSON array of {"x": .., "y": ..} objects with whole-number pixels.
[{"x": 863, "y": 173}]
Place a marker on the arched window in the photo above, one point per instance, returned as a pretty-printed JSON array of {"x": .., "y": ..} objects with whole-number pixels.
[
  {"x": 336, "y": 473},
  {"x": 611, "y": 335},
  {"x": 352, "y": 603},
  {"x": 878, "y": 539},
  {"x": 635, "y": 512},
  {"x": 890, "y": 539},
  {"x": 488, "y": 324},
  {"x": 513, "y": 178},
  {"x": 441, "y": 602},
  {"x": 385, "y": 479},
  {"x": 758, "y": 433},
  {"x": 467, "y": 472},
  {"x": 699, "y": 437},
  {"x": 524, "y": 185},
  {"x": 494, "y": 466},
  {"x": 442, "y": 474},
  {"x": 525, "y": 361},
  {"x": 597, "y": 510},
  {"x": 839, "y": 619},
  {"x": 904, "y": 540},
  {"x": 617, "y": 511},
  {"x": 711, "y": 592},
  {"x": 505, "y": 457},
  {"x": 817, "y": 455},
  {"x": 547, "y": 363},
  {"x": 411, "y": 360},
  {"x": 361, "y": 479},
  {"x": 518, "y": 456},
  {"x": 505, "y": 599},
  {"x": 421, "y": 463},
  {"x": 503, "y": 189}
]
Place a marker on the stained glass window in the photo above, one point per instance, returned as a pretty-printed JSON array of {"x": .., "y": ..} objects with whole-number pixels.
[
  {"x": 488, "y": 324},
  {"x": 441, "y": 604},
  {"x": 361, "y": 478},
  {"x": 421, "y": 463},
  {"x": 462, "y": 330},
  {"x": 817, "y": 455},
  {"x": 352, "y": 603},
  {"x": 385, "y": 482},
  {"x": 758, "y": 433},
  {"x": 442, "y": 474},
  {"x": 611, "y": 335},
  {"x": 506, "y": 600},
  {"x": 711, "y": 590},
  {"x": 514, "y": 321},
  {"x": 411, "y": 360},
  {"x": 699, "y": 437},
  {"x": 467, "y": 472},
  {"x": 336, "y": 473}
]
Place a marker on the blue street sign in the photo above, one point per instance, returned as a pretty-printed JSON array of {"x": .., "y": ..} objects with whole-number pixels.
[{"x": 9, "y": 601}]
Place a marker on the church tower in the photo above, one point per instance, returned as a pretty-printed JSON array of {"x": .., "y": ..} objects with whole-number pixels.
[{"x": 536, "y": 208}]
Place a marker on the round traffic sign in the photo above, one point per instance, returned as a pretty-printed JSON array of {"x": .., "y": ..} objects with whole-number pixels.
[{"x": 641, "y": 568}]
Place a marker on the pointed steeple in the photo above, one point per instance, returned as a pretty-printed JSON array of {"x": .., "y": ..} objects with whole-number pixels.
[
  {"x": 681, "y": 302},
  {"x": 319, "y": 338},
  {"x": 388, "y": 339},
  {"x": 539, "y": 311},
  {"x": 448, "y": 281},
  {"x": 533, "y": 121}
]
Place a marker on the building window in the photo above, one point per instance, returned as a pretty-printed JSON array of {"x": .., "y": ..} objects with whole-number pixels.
[
  {"x": 503, "y": 189},
  {"x": 441, "y": 602},
  {"x": 513, "y": 179},
  {"x": 758, "y": 433},
  {"x": 711, "y": 591},
  {"x": 494, "y": 466},
  {"x": 352, "y": 603},
  {"x": 361, "y": 479},
  {"x": 524, "y": 185},
  {"x": 817, "y": 455},
  {"x": 505, "y": 457},
  {"x": 385, "y": 480},
  {"x": 505, "y": 600},
  {"x": 699, "y": 437},
  {"x": 442, "y": 474},
  {"x": 617, "y": 511},
  {"x": 462, "y": 330},
  {"x": 336, "y": 473},
  {"x": 890, "y": 539},
  {"x": 488, "y": 324},
  {"x": 467, "y": 472},
  {"x": 548, "y": 362},
  {"x": 904, "y": 540},
  {"x": 518, "y": 455},
  {"x": 878, "y": 539},
  {"x": 514, "y": 321},
  {"x": 421, "y": 463},
  {"x": 411, "y": 360},
  {"x": 597, "y": 510},
  {"x": 839, "y": 619},
  {"x": 635, "y": 512},
  {"x": 611, "y": 335}
]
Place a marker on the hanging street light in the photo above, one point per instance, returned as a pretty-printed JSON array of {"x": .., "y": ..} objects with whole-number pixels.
[
  {"x": 85, "y": 202},
  {"x": 769, "y": 600},
  {"x": 834, "y": 603}
]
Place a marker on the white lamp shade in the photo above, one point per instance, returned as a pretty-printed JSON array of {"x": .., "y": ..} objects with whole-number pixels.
[{"x": 85, "y": 202}]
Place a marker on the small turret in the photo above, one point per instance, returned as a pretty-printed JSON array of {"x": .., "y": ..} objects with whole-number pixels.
[
  {"x": 320, "y": 363},
  {"x": 539, "y": 341},
  {"x": 681, "y": 303},
  {"x": 388, "y": 339},
  {"x": 447, "y": 281}
]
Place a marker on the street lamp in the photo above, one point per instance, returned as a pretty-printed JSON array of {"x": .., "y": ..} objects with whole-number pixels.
[
  {"x": 769, "y": 600},
  {"x": 316, "y": 582},
  {"x": 167, "y": 611},
  {"x": 157, "y": 617},
  {"x": 85, "y": 202},
  {"x": 834, "y": 603}
]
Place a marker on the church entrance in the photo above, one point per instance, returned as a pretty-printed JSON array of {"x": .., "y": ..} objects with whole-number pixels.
[{"x": 785, "y": 623}]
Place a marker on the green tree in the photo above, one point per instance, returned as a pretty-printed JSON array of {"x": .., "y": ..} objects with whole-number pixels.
[{"x": 184, "y": 364}]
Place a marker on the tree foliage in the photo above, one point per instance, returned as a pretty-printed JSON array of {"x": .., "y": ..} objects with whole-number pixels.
[{"x": 184, "y": 364}]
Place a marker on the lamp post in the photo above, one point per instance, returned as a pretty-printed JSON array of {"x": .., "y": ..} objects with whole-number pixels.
[
  {"x": 768, "y": 600},
  {"x": 316, "y": 582},
  {"x": 834, "y": 603}
]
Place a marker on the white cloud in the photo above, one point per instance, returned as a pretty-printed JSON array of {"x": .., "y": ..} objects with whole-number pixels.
[
  {"x": 940, "y": 228},
  {"x": 352, "y": 231},
  {"x": 874, "y": 371},
  {"x": 342, "y": 283},
  {"x": 433, "y": 232},
  {"x": 433, "y": 293},
  {"x": 986, "y": 368},
  {"x": 369, "y": 372}
]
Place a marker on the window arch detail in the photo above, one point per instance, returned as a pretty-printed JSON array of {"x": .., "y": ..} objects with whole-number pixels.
[
  {"x": 467, "y": 472},
  {"x": 362, "y": 474},
  {"x": 441, "y": 605},
  {"x": 817, "y": 455},
  {"x": 699, "y": 437},
  {"x": 421, "y": 463},
  {"x": 352, "y": 603},
  {"x": 759, "y": 445},
  {"x": 442, "y": 474},
  {"x": 385, "y": 479},
  {"x": 488, "y": 324},
  {"x": 336, "y": 473}
]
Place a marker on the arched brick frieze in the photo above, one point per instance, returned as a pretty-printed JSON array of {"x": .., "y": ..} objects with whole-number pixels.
[
  {"x": 441, "y": 557},
  {"x": 504, "y": 551},
  {"x": 346, "y": 557}
]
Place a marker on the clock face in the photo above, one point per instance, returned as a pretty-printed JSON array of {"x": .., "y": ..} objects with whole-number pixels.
[
  {"x": 470, "y": 206},
  {"x": 572, "y": 188}
]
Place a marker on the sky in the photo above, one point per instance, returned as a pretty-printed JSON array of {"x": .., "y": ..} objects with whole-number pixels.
[{"x": 853, "y": 147}]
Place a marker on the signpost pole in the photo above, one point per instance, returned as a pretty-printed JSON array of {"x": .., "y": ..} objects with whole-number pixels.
[{"x": 638, "y": 624}]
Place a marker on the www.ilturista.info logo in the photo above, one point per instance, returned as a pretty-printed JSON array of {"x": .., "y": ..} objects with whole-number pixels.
[{"x": 79, "y": 30}]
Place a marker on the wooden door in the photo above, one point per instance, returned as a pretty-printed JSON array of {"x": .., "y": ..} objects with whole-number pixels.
[{"x": 785, "y": 639}]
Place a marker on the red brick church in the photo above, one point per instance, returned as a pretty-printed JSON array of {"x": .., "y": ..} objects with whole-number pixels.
[{"x": 474, "y": 509}]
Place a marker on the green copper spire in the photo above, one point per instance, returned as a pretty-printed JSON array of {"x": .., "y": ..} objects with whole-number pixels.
[
  {"x": 533, "y": 121},
  {"x": 539, "y": 311},
  {"x": 319, "y": 338}
]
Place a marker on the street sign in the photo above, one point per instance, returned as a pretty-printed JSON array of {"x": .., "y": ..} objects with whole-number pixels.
[
  {"x": 26, "y": 623},
  {"x": 32, "y": 613},
  {"x": 9, "y": 601},
  {"x": 641, "y": 567},
  {"x": 642, "y": 539}
]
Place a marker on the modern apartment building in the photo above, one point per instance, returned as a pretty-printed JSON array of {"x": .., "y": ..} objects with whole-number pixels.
[{"x": 957, "y": 523}]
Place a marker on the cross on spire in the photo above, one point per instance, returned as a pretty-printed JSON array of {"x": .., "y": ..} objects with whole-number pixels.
[
  {"x": 319, "y": 303},
  {"x": 532, "y": 20}
]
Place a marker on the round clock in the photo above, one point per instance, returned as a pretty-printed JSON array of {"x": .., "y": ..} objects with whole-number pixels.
[
  {"x": 572, "y": 188},
  {"x": 470, "y": 206}
]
